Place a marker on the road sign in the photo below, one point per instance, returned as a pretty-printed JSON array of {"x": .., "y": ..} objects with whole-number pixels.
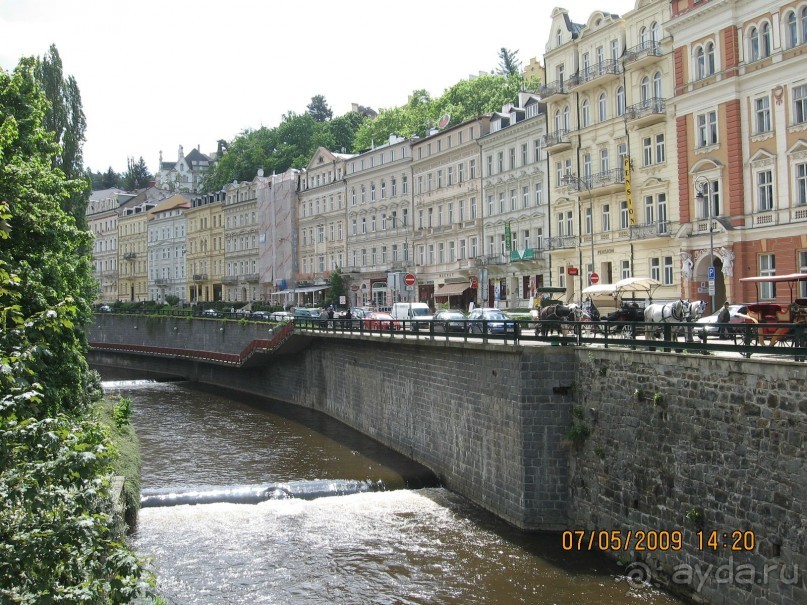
[
  {"x": 711, "y": 273},
  {"x": 409, "y": 279},
  {"x": 571, "y": 271},
  {"x": 594, "y": 278}
]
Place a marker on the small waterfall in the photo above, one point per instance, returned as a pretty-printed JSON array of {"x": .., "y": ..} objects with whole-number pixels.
[{"x": 252, "y": 494}]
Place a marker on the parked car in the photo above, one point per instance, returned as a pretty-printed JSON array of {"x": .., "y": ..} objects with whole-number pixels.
[
  {"x": 212, "y": 313},
  {"x": 409, "y": 312},
  {"x": 281, "y": 316},
  {"x": 449, "y": 320},
  {"x": 707, "y": 326},
  {"x": 356, "y": 316},
  {"x": 497, "y": 322},
  {"x": 105, "y": 309},
  {"x": 308, "y": 313},
  {"x": 259, "y": 315},
  {"x": 377, "y": 320}
]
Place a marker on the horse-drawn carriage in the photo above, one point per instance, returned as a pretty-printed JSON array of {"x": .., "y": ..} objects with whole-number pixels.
[
  {"x": 627, "y": 297},
  {"x": 771, "y": 323}
]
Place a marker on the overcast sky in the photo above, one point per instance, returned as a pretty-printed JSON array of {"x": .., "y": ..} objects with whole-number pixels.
[{"x": 156, "y": 74}]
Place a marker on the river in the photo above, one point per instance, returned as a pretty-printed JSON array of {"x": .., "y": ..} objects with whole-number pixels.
[{"x": 413, "y": 543}]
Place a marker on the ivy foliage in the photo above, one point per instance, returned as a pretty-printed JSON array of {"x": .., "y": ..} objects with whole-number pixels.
[{"x": 57, "y": 540}]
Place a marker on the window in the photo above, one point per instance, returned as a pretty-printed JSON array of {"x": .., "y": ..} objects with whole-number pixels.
[
  {"x": 604, "y": 162},
  {"x": 764, "y": 190},
  {"x": 655, "y": 269},
  {"x": 625, "y": 269},
  {"x": 709, "y": 59},
  {"x": 711, "y": 196},
  {"x": 753, "y": 41},
  {"x": 707, "y": 129},
  {"x": 647, "y": 151},
  {"x": 800, "y": 104},
  {"x": 589, "y": 221},
  {"x": 587, "y": 166},
  {"x": 801, "y": 184},
  {"x": 602, "y": 107},
  {"x": 500, "y": 161},
  {"x": 490, "y": 165},
  {"x": 524, "y": 154},
  {"x": 512, "y": 158},
  {"x": 560, "y": 224},
  {"x": 762, "y": 115},
  {"x": 439, "y": 179},
  {"x": 649, "y": 207},
  {"x": 657, "y": 92},
  {"x": 472, "y": 167},
  {"x": 667, "y": 277},
  {"x": 525, "y": 196},
  {"x": 624, "y": 216},
  {"x": 585, "y": 114},
  {"x": 570, "y": 222},
  {"x": 663, "y": 227},
  {"x": 606, "y": 217},
  {"x": 767, "y": 267},
  {"x": 645, "y": 91},
  {"x": 765, "y": 40},
  {"x": 620, "y": 101},
  {"x": 539, "y": 194}
]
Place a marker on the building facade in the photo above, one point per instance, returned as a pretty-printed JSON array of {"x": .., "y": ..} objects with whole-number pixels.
[
  {"x": 102, "y": 221},
  {"x": 205, "y": 257},
  {"x": 166, "y": 251}
]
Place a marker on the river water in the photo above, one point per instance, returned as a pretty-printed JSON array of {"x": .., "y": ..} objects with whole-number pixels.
[{"x": 410, "y": 544}]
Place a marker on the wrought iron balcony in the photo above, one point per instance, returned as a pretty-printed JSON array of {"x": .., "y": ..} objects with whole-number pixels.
[
  {"x": 610, "y": 68},
  {"x": 561, "y": 242},
  {"x": 251, "y": 277},
  {"x": 558, "y": 138},
  {"x": 646, "y": 52},
  {"x": 130, "y": 256},
  {"x": 558, "y": 87},
  {"x": 200, "y": 277},
  {"x": 649, "y": 111}
]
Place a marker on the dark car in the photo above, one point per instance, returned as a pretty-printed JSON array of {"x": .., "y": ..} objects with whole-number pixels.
[
  {"x": 490, "y": 321},
  {"x": 448, "y": 320},
  {"x": 260, "y": 315}
]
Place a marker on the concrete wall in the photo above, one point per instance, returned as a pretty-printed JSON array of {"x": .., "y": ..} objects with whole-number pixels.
[{"x": 721, "y": 448}]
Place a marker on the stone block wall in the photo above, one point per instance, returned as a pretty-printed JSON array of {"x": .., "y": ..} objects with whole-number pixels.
[{"x": 712, "y": 448}]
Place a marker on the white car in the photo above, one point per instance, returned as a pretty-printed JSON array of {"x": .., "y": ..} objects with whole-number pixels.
[
  {"x": 280, "y": 316},
  {"x": 707, "y": 326}
]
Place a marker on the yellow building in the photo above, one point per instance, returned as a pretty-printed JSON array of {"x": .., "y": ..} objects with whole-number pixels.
[{"x": 205, "y": 247}]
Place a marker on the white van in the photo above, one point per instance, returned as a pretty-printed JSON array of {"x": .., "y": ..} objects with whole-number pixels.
[{"x": 407, "y": 312}]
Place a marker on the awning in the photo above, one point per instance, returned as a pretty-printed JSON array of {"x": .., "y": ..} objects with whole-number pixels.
[
  {"x": 447, "y": 290},
  {"x": 302, "y": 290}
]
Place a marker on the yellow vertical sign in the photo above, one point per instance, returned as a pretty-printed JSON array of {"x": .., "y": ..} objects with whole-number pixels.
[{"x": 629, "y": 192}]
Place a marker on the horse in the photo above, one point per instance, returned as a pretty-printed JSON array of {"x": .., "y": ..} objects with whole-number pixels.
[
  {"x": 660, "y": 313},
  {"x": 557, "y": 317}
]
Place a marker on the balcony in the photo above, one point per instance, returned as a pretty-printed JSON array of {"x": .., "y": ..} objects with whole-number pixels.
[
  {"x": 251, "y": 277},
  {"x": 643, "y": 231},
  {"x": 200, "y": 277},
  {"x": 561, "y": 242},
  {"x": 556, "y": 88},
  {"x": 491, "y": 259},
  {"x": 599, "y": 74},
  {"x": 130, "y": 256},
  {"x": 643, "y": 54},
  {"x": 648, "y": 112},
  {"x": 161, "y": 281},
  {"x": 229, "y": 280},
  {"x": 558, "y": 140}
]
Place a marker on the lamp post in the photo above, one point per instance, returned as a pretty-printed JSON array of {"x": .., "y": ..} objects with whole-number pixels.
[
  {"x": 704, "y": 194},
  {"x": 573, "y": 178}
]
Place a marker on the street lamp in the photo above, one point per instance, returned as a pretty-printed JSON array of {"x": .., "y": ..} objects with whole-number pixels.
[
  {"x": 573, "y": 178},
  {"x": 704, "y": 194}
]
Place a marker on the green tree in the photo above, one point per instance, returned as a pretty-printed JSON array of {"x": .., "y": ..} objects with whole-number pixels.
[
  {"x": 108, "y": 180},
  {"x": 338, "y": 286},
  {"x": 319, "y": 110},
  {"x": 137, "y": 175},
  {"x": 64, "y": 118},
  {"x": 57, "y": 542},
  {"x": 509, "y": 65}
]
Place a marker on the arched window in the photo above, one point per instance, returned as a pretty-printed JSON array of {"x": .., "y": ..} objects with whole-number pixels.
[
  {"x": 602, "y": 107},
  {"x": 700, "y": 63},
  {"x": 710, "y": 58},
  {"x": 645, "y": 89},
  {"x": 765, "y": 40},
  {"x": 585, "y": 113},
  {"x": 753, "y": 40},
  {"x": 657, "y": 92},
  {"x": 803, "y": 21},
  {"x": 655, "y": 30},
  {"x": 620, "y": 101},
  {"x": 558, "y": 120},
  {"x": 567, "y": 122},
  {"x": 791, "y": 30},
  {"x": 644, "y": 36},
  {"x": 559, "y": 37}
]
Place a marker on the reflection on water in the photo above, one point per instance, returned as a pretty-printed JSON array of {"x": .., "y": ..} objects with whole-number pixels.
[{"x": 415, "y": 546}]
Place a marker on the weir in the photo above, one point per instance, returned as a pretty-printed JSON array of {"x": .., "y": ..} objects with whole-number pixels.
[{"x": 559, "y": 438}]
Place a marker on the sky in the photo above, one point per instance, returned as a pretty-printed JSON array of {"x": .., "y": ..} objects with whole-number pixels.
[{"x": 157, "y": 74}]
